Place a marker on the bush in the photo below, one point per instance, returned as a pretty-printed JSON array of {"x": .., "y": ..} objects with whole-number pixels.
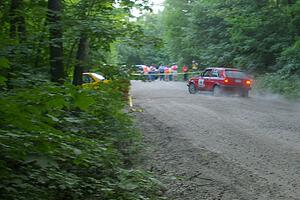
[
  {"x": 62, "y": 142},
  {"x": 286, "y": 80},
  {"x": 276, "y": 83}
]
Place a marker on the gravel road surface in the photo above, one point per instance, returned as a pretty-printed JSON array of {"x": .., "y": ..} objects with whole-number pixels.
[{"x": 206, "y": 147}]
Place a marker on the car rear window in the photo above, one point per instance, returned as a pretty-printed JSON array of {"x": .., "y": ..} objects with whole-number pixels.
[{"x": 235, "y": 74}]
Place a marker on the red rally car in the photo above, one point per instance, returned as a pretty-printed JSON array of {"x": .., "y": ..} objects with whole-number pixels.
[{"x": 221, "y": 80}]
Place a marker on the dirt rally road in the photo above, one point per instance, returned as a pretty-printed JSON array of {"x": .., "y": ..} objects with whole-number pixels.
[{"x": 230, "y": 148}]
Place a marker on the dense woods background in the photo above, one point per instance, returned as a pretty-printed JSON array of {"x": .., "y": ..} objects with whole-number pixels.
[{"x": 59, "y": 141}]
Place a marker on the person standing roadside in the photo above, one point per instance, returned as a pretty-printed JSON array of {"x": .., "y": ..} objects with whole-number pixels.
[
  {"x": 167, "y": 72},
  {"x": 174, "y": 71},
  {"x": 185, "y": 70},
  {"x": 161, "y": 70},
  {"x": 146, "y": 71},
  {"x": 170, "y": 74},
  {"x": 194, "y": 66},
  {"x": 151, "y": 73}
]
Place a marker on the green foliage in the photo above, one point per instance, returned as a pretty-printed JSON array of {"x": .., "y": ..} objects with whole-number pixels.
[
  {"x": 290, "y": 60},
  {"x": 281, "y": 84},
  {"x": 4, "y": 65},
  {"x": 286, "y": 80},
  {"x": 176, "y": 21},
  {"x": 58, "y": 142},
  {"x": 102, "y": 23},
  {"x": 145, "y": 46},
  {"x": 65, "y": 142}
]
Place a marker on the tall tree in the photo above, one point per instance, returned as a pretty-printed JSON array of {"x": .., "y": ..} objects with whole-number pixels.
[
  {"x": 81, "y": 59},
  {"x": 17, "y": 20},
  {"x": 146, "y": 47},
  {"x": 17, "y": 33},
  {"x": 176, "y": 23},
  {"x": 56, "y": 41},
  {"x": 98, "y": 24}
]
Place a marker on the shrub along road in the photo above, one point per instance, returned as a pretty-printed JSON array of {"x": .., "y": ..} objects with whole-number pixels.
[{"x": 206, "y": 147}]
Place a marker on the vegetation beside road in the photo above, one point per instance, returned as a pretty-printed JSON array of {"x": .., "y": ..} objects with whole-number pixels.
[
  {"x": 276, "y": 83},
  {"x": 57, "y": 140}
]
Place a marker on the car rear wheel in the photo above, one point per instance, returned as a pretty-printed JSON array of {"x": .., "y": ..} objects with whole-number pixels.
[
  {"x": 217, "y": 91},
  {"x": 244, "y": 93},
  {"x": 192, "y": 88}
]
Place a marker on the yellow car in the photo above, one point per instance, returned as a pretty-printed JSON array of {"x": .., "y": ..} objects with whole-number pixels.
[{"x": 90, "y": 79}]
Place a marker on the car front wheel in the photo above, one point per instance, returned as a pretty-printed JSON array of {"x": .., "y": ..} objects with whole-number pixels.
[{"x": 192, "y": 88}]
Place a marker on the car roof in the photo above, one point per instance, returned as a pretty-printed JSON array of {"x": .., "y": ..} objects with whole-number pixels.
[
  {"x": 98, "y": 76},
  {"x": 141, "y": 65}
]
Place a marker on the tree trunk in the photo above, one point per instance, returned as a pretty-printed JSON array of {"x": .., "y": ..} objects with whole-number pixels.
[
  {"x": 56, "y": 43},
  {"x": 17, "y": 21},
  {"x": 22, "y": 29},
  {"x": 70, "y": 56},
  {"x": 15, "y": 4},
  {"x": 80, "y": 59}
]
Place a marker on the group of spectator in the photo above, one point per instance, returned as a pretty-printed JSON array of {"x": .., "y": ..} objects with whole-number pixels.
[
  {"x": 161, "y": 72},
  {"x": 166, "y": 73}
]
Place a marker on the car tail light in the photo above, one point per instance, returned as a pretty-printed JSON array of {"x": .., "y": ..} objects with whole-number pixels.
[
  {"x": 226, "y": 80},
  {"x": 248, "y": 82}
]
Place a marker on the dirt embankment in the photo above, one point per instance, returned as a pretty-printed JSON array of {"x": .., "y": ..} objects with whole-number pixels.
[{"x": 206, "y": 147}]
